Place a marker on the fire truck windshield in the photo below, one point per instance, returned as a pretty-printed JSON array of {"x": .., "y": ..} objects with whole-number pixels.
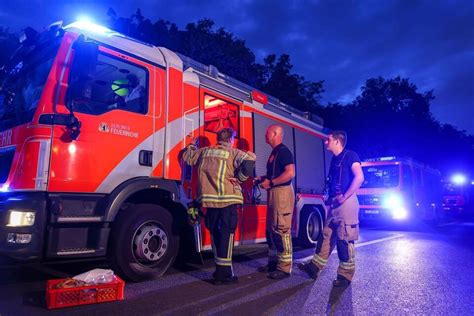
[
  {"x": 22, "y": 88},
  {"x": 450, "y": 189},
  {"x": 382, "y": 176}
]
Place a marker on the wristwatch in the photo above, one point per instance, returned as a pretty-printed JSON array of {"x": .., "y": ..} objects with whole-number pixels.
[{"x": 271, "y": 183}]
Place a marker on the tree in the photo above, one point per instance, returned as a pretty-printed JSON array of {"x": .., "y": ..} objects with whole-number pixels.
[{"x": 391, "y": 117}]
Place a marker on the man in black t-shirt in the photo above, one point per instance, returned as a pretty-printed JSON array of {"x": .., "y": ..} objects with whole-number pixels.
[
  {"x": 280, "y": 205},
  {"x": 342, "y": 225}
]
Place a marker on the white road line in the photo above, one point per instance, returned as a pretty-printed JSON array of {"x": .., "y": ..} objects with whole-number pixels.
[{"x": 362, "y": 244}]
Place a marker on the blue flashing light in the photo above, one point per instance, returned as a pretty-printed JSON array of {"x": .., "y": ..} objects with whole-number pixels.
[
  {"x": 458, "y": 179},
  {"x": 87, "y": 25},
  {"x": 4, "y": 188}
]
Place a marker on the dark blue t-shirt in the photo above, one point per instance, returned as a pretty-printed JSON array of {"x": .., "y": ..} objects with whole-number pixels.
[
  {"x": 340, "y": 173},
  {"x": 280, "y": 157}
]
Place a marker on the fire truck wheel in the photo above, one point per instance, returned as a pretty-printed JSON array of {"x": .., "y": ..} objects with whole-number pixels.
[
  {"x": 143, "y": 242},
  {"x": 311, "y": 226}
]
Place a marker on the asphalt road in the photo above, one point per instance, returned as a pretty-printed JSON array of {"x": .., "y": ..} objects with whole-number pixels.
[{"x": 402, "y": 272}]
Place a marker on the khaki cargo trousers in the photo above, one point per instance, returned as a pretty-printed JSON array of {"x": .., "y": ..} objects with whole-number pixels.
[
  {"x": 341, "y": 230},
  {"x": 281, "y": 202}
]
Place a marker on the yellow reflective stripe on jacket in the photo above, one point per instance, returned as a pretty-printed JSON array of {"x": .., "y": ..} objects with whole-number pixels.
[
  {"x": 221, "y": 178},
  {"x": 216, "y": 152}
]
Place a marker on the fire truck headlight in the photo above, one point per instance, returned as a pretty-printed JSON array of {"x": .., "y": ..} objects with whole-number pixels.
[
  {"x": 21, "y": 219},
  {"x": 393, "y": 201},
  {"x": 399, "y": 213}
]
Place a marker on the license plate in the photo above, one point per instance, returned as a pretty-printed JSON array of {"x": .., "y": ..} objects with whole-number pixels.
[{"x": 371, "y": 211}]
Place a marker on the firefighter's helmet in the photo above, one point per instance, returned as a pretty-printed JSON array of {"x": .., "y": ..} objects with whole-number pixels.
[{"x": 120, "y": 87}]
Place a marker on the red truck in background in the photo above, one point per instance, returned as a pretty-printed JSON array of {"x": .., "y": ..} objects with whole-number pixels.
[{"x": 400, "y": 190}]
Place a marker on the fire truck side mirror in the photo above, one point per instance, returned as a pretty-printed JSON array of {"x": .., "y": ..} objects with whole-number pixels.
[
  {"x": 85, "y": 58},
  {"x": 82, "y": 69}
]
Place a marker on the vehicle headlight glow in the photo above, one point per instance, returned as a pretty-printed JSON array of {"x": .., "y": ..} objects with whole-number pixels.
[
  {"x": 393, "y": 201},
  {"x": 21, "y": 219},
  {"x": 399, "y": 213}
]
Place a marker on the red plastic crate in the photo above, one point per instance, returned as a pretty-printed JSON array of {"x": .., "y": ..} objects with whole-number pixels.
[{"x": 81, "y": 295}]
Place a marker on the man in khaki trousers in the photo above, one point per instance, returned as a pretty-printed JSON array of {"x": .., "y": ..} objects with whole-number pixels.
[
  {"x": 281, "y": 201},
  {"x": 341, "y": 228}
]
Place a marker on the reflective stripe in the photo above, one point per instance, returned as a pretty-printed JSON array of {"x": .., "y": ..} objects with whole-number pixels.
[
  {"x": 219, "y": 153},
  {"x": 347, "y": 265},
  {"x": 216, "y": 200},
  {"x": 242, "y": 177},
  {"x": 242, "y": 158},
  {"x": 223, "y": 261},
  {"x": 220, "y": 180},
  {"x": 230, "y": 246},
  {"x": 318, "y": 260}
]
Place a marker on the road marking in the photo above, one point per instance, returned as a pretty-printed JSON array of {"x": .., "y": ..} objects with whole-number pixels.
[{"x": 362, "y": 244}]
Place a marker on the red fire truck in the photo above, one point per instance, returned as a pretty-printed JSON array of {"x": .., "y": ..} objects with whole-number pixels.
[
  {"x": 399, "y": 189},
  {"x": 92, "y": 124},
  {"x": 458, "y": 196}
]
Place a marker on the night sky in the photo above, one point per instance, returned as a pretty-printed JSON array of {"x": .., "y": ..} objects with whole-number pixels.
[{"x": 341, "y": 42}]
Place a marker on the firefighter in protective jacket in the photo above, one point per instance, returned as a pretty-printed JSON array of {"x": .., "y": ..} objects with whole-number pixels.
[{"x": 221, "y": 169}]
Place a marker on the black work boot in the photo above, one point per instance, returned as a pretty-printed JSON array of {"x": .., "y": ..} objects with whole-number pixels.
[
  {"x": 278, "y": 275},
  {"x": 310, "y": 269},
  {"x": 268, "y": 268},
  {"x": 341, "y": 281},
  {"x": 226, "y": 281}
]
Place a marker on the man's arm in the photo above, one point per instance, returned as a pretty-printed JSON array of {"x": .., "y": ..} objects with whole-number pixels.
[
  {"x": 191, "y": 154},
  {"x": 356, "y": 169},
  {"x": 285, "y": 176},
  {"x": 245, "y": 165}
]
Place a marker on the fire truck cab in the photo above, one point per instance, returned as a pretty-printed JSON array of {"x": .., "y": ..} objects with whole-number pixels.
[
  {"x": 458, "y": 197},
  {"x": 92, "y": 124},
  {"x": 400, "y": 190}
]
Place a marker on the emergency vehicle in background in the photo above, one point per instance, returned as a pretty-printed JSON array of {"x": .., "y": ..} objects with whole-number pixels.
[
  {"x": 398, "y": 189},
  {"x": 458, "y": 196},
  {"x": 90, "y": 161}
]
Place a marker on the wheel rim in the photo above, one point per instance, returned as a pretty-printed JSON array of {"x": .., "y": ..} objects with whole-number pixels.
[
  {"x": 312, "y": 227},
  {"x": 150, "y": 243}
]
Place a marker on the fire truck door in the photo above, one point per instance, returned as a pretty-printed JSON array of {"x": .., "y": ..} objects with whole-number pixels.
[
  {"x": 219, "y": 112},
  {"x": 115, "y": 143}
]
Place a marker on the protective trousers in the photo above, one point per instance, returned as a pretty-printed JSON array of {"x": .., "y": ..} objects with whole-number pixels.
[
  {"x": 281, "y": 202},
  {"x": 341, "y": 230},
  {"x": 222, "y": 223}
]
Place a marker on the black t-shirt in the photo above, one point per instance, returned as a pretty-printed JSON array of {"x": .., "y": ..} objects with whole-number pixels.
[
  {"x": 340, "y": 173},
  {"x": 280, "y": 157}
]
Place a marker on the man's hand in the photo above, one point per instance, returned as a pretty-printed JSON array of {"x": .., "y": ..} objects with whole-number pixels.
[
  {"x": 341, "y": 199},
  {"x": 265, "y": 184},
  {"x": 234, "y": 181}
]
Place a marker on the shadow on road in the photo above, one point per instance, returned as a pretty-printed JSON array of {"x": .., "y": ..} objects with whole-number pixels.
[{"x": 340, "y": 296}]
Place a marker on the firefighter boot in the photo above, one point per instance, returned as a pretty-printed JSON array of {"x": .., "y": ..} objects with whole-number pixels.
[
  {"x": 310, "y": 269},
  {"x": 341, "y": 281},
  {"x": 268, "y": 268},
  {"x": 229, "y": 280},
  {"x": 278, "y": 275}
]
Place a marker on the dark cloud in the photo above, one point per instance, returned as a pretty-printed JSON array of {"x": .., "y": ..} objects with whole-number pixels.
[{"x": 341, "y": 42}]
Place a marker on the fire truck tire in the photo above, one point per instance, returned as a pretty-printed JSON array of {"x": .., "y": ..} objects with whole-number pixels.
[
  {"x": 311, "y": 226},
  {"x": 143, "y": 242}
]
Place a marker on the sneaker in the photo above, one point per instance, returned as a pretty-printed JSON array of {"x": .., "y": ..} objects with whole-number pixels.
[
  {"x": 278, "y": 275},
  {"x": 267, "y": 268},
  {"x": 341, "y": 281},
  {"x": 226, "y": 281},
  {"x": 309, "y": 268}
]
